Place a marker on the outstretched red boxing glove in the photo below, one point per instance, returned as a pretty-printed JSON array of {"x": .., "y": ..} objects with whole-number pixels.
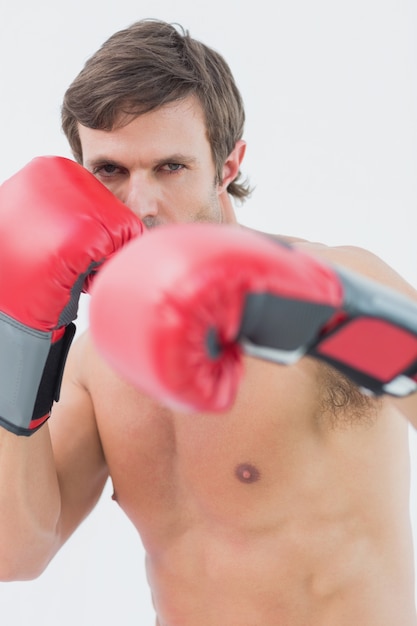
[
  {"x": 58, "y": 224},
  {"x": 175, "y": 311}
]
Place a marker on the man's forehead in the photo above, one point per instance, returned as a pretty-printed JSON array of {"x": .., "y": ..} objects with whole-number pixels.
[{"x": 175, "y": 132}]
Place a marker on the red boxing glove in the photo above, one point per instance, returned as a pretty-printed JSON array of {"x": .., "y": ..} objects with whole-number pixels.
[
  {"x": 174, "y": 312},
  {"x": 58, "y": 224}
]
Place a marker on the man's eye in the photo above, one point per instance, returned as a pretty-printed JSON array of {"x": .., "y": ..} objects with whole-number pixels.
[
  {"x": 108, "y": 169},
  {"x": 172, "y": 167}
]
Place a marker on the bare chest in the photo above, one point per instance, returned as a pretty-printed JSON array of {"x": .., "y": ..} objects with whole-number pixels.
[
  {"x": 219, "y": 460},
  {"x": 261, "y": 463}
]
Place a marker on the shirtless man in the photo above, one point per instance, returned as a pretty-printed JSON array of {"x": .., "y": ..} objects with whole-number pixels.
[{"x": 291, "y": 507}]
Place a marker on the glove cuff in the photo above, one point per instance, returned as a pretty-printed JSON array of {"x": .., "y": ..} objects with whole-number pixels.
[{"x": 31, "y": 369}]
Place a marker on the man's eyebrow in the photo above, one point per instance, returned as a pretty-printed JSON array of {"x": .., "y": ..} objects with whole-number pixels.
[{"x": 177, "y": 157}]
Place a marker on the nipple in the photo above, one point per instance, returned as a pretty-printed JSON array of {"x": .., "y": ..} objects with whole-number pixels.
[{"x": 247, "y": 473}]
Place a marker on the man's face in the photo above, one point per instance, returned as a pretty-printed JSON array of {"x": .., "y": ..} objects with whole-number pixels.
[{"x": 160, "y": 165}]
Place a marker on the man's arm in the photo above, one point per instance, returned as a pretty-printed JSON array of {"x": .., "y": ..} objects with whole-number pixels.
[
  {"x": 224, "y": 292},
  {"x": 49, "y": 482},
  {"x": 58, "y": 225},
  {"x": 29, "y": 504}
]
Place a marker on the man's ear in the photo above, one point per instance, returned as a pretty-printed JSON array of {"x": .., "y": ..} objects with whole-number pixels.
[{"x": 232, "y": 164}]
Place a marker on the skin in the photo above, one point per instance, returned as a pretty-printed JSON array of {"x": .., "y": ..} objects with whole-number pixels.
[{"x": 289, "y": 509}]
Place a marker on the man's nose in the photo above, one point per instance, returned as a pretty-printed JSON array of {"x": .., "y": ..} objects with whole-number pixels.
[{"x": 141, "y": 198}]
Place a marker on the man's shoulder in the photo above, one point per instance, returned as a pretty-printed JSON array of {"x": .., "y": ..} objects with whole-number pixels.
[{"x": 351, "y": 257}]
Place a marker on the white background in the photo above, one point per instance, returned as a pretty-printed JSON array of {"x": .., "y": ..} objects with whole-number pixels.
[{"x": 331, "y": 99}]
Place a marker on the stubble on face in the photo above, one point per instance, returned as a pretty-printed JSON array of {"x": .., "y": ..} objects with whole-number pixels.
[{"x": 209, "y": 212}]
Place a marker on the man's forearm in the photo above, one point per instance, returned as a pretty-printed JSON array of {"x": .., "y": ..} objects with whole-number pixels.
[{"x": 29, "y": 504}]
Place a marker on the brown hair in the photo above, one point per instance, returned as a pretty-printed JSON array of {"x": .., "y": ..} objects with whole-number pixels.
[{"x": 145, "y": 66}]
